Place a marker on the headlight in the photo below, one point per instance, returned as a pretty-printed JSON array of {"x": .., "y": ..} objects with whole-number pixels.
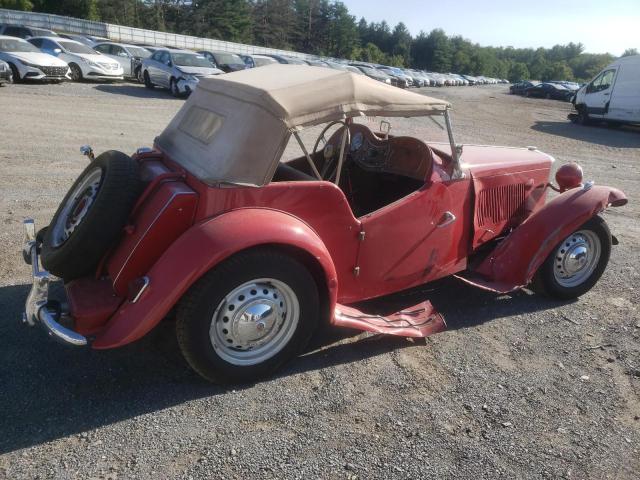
[
  {"x": 387, "y": 80},
  {"x": 90, "y": 63}
]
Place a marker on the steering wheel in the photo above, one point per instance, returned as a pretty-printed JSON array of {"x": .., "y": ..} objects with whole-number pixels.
[{"x": 330, "y": 156}]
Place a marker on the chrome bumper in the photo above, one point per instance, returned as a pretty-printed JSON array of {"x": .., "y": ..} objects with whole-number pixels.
[{"x": 35, "y": 308}]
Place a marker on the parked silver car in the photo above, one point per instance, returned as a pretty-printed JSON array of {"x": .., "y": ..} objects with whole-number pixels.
[
  {"x": 178, "y": 70},
  {"x": 129, "y": 56}
]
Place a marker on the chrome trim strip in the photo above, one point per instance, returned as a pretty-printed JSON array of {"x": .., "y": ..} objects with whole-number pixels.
[
  {"x": 166, "y": 205},
  {"x": 142, "y": 289}
]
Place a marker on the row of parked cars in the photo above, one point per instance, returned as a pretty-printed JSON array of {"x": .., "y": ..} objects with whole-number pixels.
[
  {"x": 556, "y": 90},
  {"x": 38, "y": 54}
]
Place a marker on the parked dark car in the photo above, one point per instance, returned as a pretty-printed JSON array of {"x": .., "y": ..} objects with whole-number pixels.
[
  {"x": 375, "y": 74},
  {"x": 227, "y": 62},
  {"x": 286, "y": 59},
  {"x": 549, "y": 90},
  {"x": 5, "y": 73},
  {"x": 24, "y": 31},
  {"x": 518, "y": 88}
]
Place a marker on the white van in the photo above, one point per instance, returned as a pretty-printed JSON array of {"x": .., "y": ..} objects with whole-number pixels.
[{"x": 613, "y": 95}]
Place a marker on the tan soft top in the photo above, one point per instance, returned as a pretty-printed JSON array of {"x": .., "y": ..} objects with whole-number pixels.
[
  {"x": 299, "y": 95},
  {"x": 234, "y": 127}
]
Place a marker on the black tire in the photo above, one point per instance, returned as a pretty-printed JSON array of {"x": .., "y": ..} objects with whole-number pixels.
[
  {"x": 195, "y": 313},
  {"x": 173, "y": 88},
  {"x": 147, "y": 80},
  {"x": 583, "y": 116},
  {"x": 80, "y": 253},
  {"x": 548, "y": 96},
  {"x": 545, "y": 281},
  {"x": 76, "y": 73},
  {"x": 15, "y": 73}
]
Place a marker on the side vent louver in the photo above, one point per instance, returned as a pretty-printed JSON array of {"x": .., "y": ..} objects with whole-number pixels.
[{"x": 500, "y": 204}]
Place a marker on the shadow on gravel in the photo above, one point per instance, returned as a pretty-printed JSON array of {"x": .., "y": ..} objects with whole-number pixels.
[
  {"x": 51, "y": 391},
  {"x": 136, "y": 90},
  {"x": 626, "y": 136}
]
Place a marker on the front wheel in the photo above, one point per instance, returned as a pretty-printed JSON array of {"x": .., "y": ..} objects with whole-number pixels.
[
  {"x": 248, "y": 316},
  {"x": 173, "y": 88},
  {"x": 577, "y": 263},
  {"x": 147, "y": 80},
  {"x": 15, "y": 74},
  {"x": 76, "y": 72}
]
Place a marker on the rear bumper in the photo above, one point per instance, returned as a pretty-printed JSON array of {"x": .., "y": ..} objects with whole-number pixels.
[{"x": 36, "y": 311}]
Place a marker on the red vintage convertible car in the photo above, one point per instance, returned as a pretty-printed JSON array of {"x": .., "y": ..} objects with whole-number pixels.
[{"x": 252, "y": 253}]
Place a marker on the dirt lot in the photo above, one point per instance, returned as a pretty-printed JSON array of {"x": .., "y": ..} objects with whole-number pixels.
[{"x": 519, "y": 387}]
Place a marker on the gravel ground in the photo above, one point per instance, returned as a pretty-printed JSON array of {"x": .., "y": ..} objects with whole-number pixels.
[{"x": 519, "y": 387}]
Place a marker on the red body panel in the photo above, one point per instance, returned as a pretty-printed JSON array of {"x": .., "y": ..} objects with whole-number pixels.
[
  {"x": 184, "y": 228},
  {"x": 516, "y": 259},
  {"x": 91, "y": 302},
  {"x": 403, "y": 245},
  {"x": 168, "y": 212},
  {"x": 197, "y": 251}
]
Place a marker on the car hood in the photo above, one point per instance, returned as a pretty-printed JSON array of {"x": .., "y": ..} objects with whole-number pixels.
[
  {"x": 200, "y": 70},
  {"x": 38, "y": 58},
  {"x": 488, "y": 160},
  {"x": 94, "y": 58}
]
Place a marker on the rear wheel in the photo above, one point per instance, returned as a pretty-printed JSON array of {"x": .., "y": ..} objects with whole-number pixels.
[
  {"x": 577, "y": 263},
  {"x": 247, "y": 316}
]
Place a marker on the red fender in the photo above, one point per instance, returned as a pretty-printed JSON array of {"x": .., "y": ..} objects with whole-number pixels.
[
  {"x": 201, "y": 248},
  {"x": 516, "y": 259}
]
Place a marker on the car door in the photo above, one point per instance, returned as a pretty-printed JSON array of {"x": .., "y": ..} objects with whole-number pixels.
[
  {"x": 417, "y": 239},
  {"x": 598, "y": 93},
  {"x": 121, "y": 56},
  {"x": 164, "y": 69},
  {"x": 154, "y": 66}
]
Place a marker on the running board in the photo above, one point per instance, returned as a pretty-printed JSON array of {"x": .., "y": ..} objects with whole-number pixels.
[{"x": 419, "y": 321}]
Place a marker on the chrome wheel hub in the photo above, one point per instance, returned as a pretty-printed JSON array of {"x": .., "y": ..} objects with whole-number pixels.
[
  {"x": 254, "y": 321},
  {"x": 77, "y": 206},
  {"x": 576, "y": 258}
]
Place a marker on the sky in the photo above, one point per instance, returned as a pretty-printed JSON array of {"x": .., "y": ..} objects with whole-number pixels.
[{"x": 601, "y": 26}]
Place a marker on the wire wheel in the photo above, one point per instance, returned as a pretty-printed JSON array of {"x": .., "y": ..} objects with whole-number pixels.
[
  {"x": 254, "y": 321},
  {"x": 576, "y": 258}
]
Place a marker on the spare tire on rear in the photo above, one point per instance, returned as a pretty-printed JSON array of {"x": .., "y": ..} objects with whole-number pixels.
[{"x": 91, "y": 216}]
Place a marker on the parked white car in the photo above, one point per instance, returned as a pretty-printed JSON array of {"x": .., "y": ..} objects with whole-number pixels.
[
  {"x": 84, "y": 62},
  {"x": 88, "y": 40},
  {"x": 28, "y": 63},
  {"x": 178, "y": 70},
  {"x": 612, "y": 96},
  {"x": 129, "y": 56}
]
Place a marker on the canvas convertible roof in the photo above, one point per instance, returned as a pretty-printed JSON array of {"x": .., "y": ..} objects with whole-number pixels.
[{"x": 234, "y": 127}]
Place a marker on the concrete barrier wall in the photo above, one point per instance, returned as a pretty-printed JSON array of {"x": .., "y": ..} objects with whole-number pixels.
[{"x": 119, "y": 33}]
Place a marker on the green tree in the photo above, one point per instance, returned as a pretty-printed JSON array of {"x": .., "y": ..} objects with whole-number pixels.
[
  {"x": 401, "y": 43},
  {"x": 221, "y": 19},
  {"x": 629, "y": 52},
  {"x": 25, "y": 5},
  {"x": 519, "y": 71}
]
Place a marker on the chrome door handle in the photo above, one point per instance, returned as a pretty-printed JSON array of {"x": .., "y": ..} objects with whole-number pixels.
[{"x": 447, "y": 219}]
